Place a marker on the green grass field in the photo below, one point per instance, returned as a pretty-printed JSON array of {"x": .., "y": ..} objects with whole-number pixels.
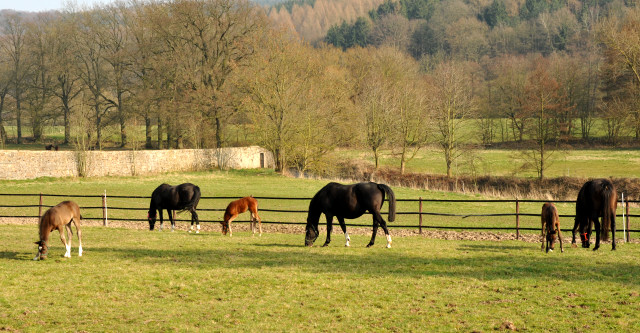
[{"x": 134, "y": 280}]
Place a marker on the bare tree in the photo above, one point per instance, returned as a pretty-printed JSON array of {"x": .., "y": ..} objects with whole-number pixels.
[
  {"x": 12, "y": 41},
  {"x": 451, "y": 103}
]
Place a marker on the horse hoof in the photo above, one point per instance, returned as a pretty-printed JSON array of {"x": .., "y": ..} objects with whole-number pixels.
[
  {"x": 197, "y": 231},
  {"x": 369, "y": 245},
  {"x": 388, "y": 246},
  {"x": 189, "y": 231},
  {"x": 325, "y": 245}
]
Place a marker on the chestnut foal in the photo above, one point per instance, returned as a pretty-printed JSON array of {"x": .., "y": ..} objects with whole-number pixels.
[
  {"x": 550, "y": 224},
  {"x": 238, "y": 207}
]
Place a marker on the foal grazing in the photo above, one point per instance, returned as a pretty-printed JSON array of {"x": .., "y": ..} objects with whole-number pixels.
[
  {"x": 238, "y": 207},
  {"x": 59, "y": 217},
  {"x": 550, "y": 224}
]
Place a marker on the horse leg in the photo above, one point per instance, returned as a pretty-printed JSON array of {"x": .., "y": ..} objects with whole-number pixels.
[
  {"x": 329, "y": 229},
  {"x": 79, "y": 232},
  {"x": 173, "y": 222},
  {"x": 344, "y": 229},
  {"x": 233, "y": 217},
  {"x": 576, "y": 225},
  {"x": 256, "y": 217},
  {"x": 559, "y": 237},
  {"x": 613, "y": 231},
  {"x": 69, "y": 235},
  {"x": 161, "y": 219},
  {"x": 596, "y": 226},
  {"x": 67, "y": 253},
  {"x": 375, "y": 231},
  {"x": 194, "y": 218},
  {"x": 542, "y": 235}
]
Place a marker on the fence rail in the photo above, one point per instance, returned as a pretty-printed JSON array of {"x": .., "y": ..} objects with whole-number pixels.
[{"x": 419, "y": 213}]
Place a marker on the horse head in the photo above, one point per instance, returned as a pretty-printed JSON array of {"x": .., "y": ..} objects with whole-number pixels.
[
  {"x": 584, "y": 237},
  {"x": 311, "y": 234},
  {"x": 43, "y": 250},
  {"x": 551, "y": 238},
  {"x": 225, "y": 227},
  {"x": 151, "y": 216}
]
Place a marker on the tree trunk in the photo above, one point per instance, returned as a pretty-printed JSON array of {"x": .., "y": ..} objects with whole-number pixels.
[{"x": 147, "y": 132}]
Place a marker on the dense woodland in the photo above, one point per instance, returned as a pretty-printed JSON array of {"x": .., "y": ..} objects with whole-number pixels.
[{"x": 304, "y": 77}]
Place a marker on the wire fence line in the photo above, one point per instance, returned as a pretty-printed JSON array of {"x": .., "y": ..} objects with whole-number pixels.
[{"x": 417, "y": 214}]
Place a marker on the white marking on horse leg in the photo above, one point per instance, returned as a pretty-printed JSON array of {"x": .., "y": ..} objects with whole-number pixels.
[
  {"x": 347, "y": 238},
  {"x": 37, "y": 256},
  {"x": 197, "y": 229},
  {"x": 68, "y": 253},
  {"x": 191, "y": 228},
  {"x": 80, "y": 251},
  {"x": 389, "y": 241}
]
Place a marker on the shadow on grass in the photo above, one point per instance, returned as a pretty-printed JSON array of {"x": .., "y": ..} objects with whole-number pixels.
[{"x": 484, "y": 262}]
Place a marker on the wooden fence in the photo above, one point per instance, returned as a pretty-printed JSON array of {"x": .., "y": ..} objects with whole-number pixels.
[{"x": 101, "y": 211}]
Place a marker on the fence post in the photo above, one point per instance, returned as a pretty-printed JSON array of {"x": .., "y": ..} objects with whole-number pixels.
[
  {"x": 40, "y": 207},
  {"x": 420, "y": 215},
  {"x": 517, "y": 219},
  {"x": 105, "y": 220},
  {"x": 627, "y": 222}
]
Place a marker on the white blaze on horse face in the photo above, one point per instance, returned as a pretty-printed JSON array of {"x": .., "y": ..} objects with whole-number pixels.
[
  {"x": 348, "y": 239},
  {"x": 389, "y": 241}
]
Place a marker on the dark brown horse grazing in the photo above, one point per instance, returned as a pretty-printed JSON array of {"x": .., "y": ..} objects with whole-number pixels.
[
  {"x": 550, "y": 225},
  {"x": 59, "y": 217},
  {"x": 349, "y": 202},
  {"x": 238, "y": 207},
  {"x": 597, "y": 198},
  {"x": 182, "y": 197}
]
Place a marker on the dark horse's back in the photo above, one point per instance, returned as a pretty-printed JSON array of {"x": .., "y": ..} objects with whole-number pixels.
[
  {"x": 181, "y": 197},
  {"x": 351, "y": 201}
]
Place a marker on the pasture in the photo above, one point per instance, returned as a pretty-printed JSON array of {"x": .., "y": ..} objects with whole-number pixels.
[
  {"x": 134, "y": 279},
  {"x": 162, "y": 281}
]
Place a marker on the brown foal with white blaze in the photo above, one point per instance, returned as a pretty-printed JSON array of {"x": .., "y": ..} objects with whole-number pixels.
[
  {"x": 59, "y": 217},
  {"x": 238, "y": 207},
  {"x": 550, "y": 224}
]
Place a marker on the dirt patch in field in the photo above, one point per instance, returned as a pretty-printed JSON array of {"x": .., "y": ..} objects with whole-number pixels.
[{"x": 300, "y": 229}]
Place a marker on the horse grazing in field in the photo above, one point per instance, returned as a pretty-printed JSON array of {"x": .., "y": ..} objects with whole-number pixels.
[
  {"x": 238, "y": 207},
  {"x": 59, "y": 217},
  {"x": 550, "y": 225},
  {"x": 182, "y": 197},
  {"x": 349, "y": 202},
  {"x": 597, "y": 198}
]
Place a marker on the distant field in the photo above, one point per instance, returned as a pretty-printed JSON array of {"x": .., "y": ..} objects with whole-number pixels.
[
  {"x": 134, "y": 280},
  {"x": 586, "y": 163}
]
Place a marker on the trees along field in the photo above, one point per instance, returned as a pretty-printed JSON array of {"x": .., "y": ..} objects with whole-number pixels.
[{"x": 198, "y": 74}]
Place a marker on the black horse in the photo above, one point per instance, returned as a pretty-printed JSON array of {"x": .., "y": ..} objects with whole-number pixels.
[
  {"x": 182, "y": 197},
  {"x": 350, "y": 202},
  {"x": 597, "y": 198}
]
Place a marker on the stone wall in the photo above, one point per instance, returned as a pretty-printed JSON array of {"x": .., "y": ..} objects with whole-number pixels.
[{"x": 22, "y": 164}]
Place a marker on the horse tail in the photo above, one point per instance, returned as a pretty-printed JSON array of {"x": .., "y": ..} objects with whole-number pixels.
[
  {"x": 608, "y": 194},
  {"x": 392, "y": 201},
  {"x": 194, "y": 199}
]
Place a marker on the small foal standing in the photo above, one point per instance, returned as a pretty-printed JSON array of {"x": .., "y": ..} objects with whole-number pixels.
[
  {"x": 59, "y": 217},
  {"x": 238, "y": 207},
  {"x": 550, "y": 224}
]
